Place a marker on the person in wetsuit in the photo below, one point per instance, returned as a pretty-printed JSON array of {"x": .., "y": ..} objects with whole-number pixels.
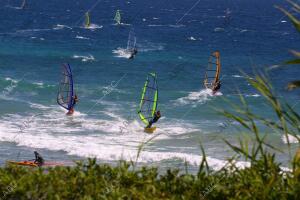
[
  {"x": 38, "y": 159},
  {"x": 156, "y": 117},
  {"x": 216, "y": 87},
  {"x": 75, "y": 100},
  {"x": 133, "y": 53}
]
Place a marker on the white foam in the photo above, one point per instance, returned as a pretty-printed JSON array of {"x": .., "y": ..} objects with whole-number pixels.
[
  {"x": 218, "y": 29},
  {"x": 252, "y": 95},
  {"x": 81, "y": 37},
  {"x": 9, "y": 89},
  {"x": 11, "y": 80},
  {"x": 237, "y": 76},
  {"x": 93, "y": 27},
  {"x": 60, "y": 26},
  {"x": 155, "y": 25},
  {"x": 197, "y": 97},
  {"x": 106, "y": 147},
  {"x": 122, "y": 53},
  {"x": 84, "y": 58},
  {"x": 192, "y": 38}
]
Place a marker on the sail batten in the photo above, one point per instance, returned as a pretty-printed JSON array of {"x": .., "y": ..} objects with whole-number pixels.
[{"x": 149, "y": 99}]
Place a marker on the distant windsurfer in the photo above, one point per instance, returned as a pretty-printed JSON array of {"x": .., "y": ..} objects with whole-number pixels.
[
  {"x": 156, "y": 117},
  {"x": 38, "y": 159},
  {"x": 75, "y": 100},
  {"x": 133, "y": 53}
]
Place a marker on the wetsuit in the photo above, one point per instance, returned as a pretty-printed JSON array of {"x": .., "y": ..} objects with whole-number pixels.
[
  {"x": 75, "y": 100},
  {"x": 217, "y": 87},
  {"x": 154, "y": 120}
]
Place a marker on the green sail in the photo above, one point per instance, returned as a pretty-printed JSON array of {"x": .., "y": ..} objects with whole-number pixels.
[
  {"x": 87, "y": 20},
  {"x": 149, "y": 99}
]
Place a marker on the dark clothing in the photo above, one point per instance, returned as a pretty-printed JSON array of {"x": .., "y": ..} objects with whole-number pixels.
[
  {"x": 75, "y": 100},
  {"x": 133, "y": 53},
  {"x": 217, "y": 87},
  {"x": 38, "y": 159},
  {"x": 154, "y": 120}
]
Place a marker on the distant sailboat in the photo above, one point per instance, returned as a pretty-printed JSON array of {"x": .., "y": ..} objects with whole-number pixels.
[
  {"x": 118, "y": 17},
  {"x": 87, "y": 22},
  {"x": 131, "y": 45},
  {"x": 212, "y": 75}
]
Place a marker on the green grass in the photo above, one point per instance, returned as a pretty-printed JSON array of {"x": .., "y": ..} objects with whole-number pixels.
[{"x": 94, "y": 181}]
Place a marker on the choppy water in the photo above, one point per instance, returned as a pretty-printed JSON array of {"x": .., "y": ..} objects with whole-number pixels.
[{"x": 172, "y": 42}]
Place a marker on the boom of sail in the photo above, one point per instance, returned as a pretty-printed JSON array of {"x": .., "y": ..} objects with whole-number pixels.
[
  {"x": 118, "y": 17},
  {"x": 149, "y": 99},
  {"x": 66, "y": 88},
  {"x": 212, "y": 74}
]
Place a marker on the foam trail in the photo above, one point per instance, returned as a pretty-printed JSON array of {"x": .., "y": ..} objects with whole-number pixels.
[
  {"x": 84, "y": 58},
  {"x": 122, "y": 53},
  {"x": 197, "y": 97},
  {"x": 93, "y": 27}
]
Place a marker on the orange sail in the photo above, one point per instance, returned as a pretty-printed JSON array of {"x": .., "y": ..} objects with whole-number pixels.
[{"x": 212, "y": 74}]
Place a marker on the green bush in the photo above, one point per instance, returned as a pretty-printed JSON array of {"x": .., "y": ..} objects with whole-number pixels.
[{"x": 94, "y": 181}]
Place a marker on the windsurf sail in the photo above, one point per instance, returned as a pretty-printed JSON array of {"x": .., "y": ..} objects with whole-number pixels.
[
  {"x": 149, "y": 99},
  {"x": 212, "y": 75},
  {"x": 23, "y": 5},
  {"x": 87, "y": 20},
  {"x": 66, "y": 90},
  {"x": 118, "y": 17},
  {"x": 131, "y": 43}
]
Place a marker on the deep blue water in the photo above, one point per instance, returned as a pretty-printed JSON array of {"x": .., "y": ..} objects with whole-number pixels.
[{"x": 35, "y": 41}]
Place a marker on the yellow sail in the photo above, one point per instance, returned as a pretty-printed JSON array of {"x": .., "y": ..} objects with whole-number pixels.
[
  {"x": 87, "y": 20},
  {"x": 212, "y": 75}
]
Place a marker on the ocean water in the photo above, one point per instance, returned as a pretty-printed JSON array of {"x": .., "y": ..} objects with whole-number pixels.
[{"x": 174, "y": 38}]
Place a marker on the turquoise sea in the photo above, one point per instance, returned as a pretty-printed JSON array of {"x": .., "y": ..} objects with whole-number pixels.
[{"x": 174, "y": 38}]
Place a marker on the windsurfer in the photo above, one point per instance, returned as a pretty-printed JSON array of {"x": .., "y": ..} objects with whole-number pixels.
[
  {"x": 38, "y": 159},
  {"x": 156, "y": 117},
  {"x": 133, "y": 53},
  {"x": 75, "y": 100},
  {"x": 216, "y": 87}
]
